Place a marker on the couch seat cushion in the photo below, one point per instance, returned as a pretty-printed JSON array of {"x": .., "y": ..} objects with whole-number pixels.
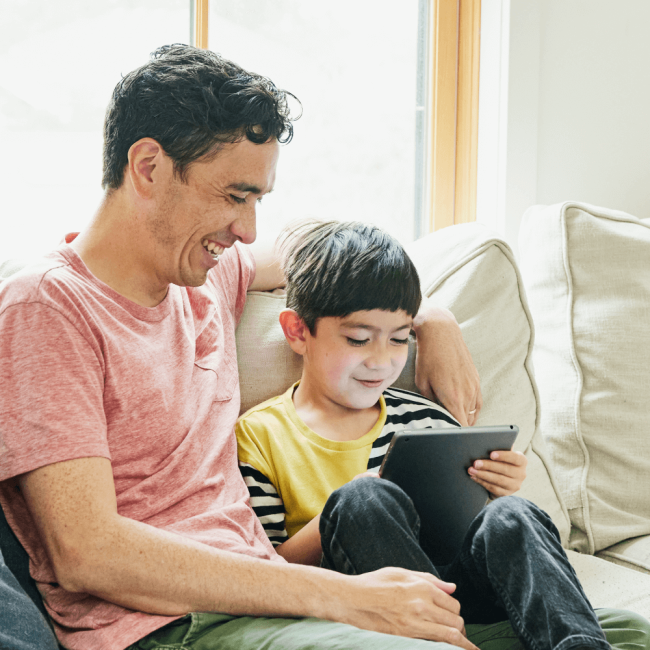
[{"x": 632, "y": 553}]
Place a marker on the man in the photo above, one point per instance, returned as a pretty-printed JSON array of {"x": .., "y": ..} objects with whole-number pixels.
[{"x": 119, "y": 393}]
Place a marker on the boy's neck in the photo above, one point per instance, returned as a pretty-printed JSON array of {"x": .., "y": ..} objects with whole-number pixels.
[{"x": 329, "y": 419}]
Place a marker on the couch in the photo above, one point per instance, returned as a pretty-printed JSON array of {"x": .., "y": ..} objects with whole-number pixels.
[{"x": 562, "y": 346}]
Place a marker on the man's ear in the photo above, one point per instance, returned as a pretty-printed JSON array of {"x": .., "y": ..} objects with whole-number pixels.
[
  {"x": 148, "y": 163},
  {"x": 295, "y": 330}
]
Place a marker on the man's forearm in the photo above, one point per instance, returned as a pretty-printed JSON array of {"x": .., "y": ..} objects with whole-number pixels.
[{"x": 147, "y": 569}]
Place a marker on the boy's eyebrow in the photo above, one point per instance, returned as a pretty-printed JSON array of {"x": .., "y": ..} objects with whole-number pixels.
[{"x": 364, "y": 326}]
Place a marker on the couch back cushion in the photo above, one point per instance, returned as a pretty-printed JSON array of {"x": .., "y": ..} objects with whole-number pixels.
[
  {"x": 472, "y": 272},
  {"x": 587, "y": 276}
]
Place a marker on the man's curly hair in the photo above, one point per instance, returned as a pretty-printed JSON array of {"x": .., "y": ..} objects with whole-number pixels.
[{"x": 191, "y": 101}]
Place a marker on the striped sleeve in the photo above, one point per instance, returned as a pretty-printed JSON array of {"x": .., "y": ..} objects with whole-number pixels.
[
  {"x": 406, "y": 410},
  {"x": 266, "y": 503}
]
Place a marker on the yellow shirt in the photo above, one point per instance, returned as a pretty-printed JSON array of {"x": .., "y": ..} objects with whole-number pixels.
[{"x": 304, "y": 468}]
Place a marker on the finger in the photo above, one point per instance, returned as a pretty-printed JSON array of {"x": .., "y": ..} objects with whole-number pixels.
[
  {"x": 516, "y": 458},
  {"x": 496, "y": 490},
  {"x": 496, "y": 467},
  {"x": 441, "y": 596},
  {"x": 498, "y": 480},
  {"x": 450, "y": 635}
]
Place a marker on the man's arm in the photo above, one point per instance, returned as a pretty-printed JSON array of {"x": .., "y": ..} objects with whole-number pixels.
[
  {"x": 95, "y": 550},
  {"x": 444, "y": 369},
  {"x": 268, "y": 274}
]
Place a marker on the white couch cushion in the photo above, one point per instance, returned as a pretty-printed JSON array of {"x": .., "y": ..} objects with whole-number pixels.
[
  {"x": 607, "y": 585},
  {"x": 587, "y": 276},
  {"x": 472, "y": 272},
  {"x": 632, "y": 553}
]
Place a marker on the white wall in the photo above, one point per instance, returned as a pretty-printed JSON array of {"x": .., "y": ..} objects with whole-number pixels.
[{"x": 563, "y": 108}]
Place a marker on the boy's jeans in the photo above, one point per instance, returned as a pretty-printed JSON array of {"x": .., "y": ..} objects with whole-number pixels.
[{"x": 511, "y": 565}]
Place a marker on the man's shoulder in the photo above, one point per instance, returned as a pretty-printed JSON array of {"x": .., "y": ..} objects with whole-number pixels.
[{"x": 37, "y": 281}]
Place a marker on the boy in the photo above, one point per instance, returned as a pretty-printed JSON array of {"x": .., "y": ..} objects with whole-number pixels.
[{"x": 352, "y": 293}]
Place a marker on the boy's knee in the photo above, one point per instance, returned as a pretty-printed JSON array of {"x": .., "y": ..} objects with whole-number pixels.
[
  {"x": 513, "y": 515},
  {"x": 368, "y": 495}
]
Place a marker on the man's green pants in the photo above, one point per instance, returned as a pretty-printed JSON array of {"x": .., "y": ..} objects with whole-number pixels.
[{"x": 205, "y": 631}]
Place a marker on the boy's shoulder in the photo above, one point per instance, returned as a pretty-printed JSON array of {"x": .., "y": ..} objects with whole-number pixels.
[
  {"x": 261, "y": 409},
  {"x": 402, "y": 403}
]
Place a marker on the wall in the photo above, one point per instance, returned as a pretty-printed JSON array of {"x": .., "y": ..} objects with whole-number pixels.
[{"x": 563, "y": 108}]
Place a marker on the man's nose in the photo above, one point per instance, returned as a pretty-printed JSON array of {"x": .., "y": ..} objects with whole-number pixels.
[{"x": 244, "y": 227}]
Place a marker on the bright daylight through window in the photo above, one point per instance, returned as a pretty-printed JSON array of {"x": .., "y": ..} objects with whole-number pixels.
[{"x": 352, "y": 63}]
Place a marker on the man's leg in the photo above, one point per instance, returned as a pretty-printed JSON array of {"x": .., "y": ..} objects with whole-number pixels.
[
  {"x": 22, "y": 626},
  {"x": 624, "y": 630},
  {"x": 205, "y": 631},
  {"x": 512, "y": 559}
]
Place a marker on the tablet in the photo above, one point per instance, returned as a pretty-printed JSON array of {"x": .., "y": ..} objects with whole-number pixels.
[{"x": 431, "y": 465}]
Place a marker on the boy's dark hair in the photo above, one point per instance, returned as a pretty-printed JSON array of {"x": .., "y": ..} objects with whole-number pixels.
[
  {"x": 191, "y": 101},
  {"x": 336, "y": 268}
]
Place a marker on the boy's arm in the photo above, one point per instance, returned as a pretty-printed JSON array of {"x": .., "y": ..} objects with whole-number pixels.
[
  {"x": 266, "y": 503},
  {"x": 304, "y": 547}
]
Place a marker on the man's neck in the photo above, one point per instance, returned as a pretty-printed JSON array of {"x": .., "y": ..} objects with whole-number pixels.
[
  {"x": 329, "y": 419},
  {"x": 112, "y": 249}
]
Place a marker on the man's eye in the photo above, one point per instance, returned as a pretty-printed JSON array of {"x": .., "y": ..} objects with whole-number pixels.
[
  {"x": 400, "y": 341},
  {"x": 238, "y": 199},
  {"x": 357, "y": 342}
]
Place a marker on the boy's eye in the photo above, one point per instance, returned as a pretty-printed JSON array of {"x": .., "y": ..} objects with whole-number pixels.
[
  {"x": 400, "y": 341},
  {"x": 238, "y": 199},
  {"x": 357, "y": 342}
]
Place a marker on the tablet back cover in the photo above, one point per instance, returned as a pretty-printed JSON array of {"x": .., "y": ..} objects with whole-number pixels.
[{"x": 431, "y": 467}]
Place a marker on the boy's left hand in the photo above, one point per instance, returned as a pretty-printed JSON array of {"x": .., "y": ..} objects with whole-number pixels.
[{"x": 503, "y": 474}]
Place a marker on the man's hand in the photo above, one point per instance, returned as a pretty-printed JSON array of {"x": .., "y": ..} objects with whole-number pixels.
[
  {"x": 503, "y": 474},
  {"x": 407, "y": 603},
  {"x": 444, "y": 369}
]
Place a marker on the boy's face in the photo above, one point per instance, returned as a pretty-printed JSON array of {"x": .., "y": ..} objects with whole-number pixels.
[{"x": 351, "y": 360}]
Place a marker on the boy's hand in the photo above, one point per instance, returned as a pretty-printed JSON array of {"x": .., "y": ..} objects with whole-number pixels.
[
  {"x": 503, "y": 474},
  {"x": 372, "y": 474}
]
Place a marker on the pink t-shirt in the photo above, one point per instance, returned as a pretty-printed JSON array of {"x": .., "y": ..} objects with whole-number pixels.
[{"x": 86, "y": 372}]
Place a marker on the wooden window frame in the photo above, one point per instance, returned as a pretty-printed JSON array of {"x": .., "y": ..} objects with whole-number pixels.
[
  {"x": 454, "y": 44},
  {"x": 453, "y": 72}
]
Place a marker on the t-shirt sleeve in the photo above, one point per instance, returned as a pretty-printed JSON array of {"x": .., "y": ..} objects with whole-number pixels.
[
  {"x": 266, "y": 503},
  {"x": 51, "y": 391},
  {"x": 256, "y": 470},
  {"x": 232, "y": 277}
]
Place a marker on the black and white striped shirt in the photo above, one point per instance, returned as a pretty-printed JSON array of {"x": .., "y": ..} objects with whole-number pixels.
[{"x": 404, "y": 410}]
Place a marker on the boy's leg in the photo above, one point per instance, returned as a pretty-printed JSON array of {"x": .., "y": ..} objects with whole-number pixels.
[
  {"x": 205, "y": 631},
  {"x": 512, "y": 558},
  {"x": 369, "y": 524}
]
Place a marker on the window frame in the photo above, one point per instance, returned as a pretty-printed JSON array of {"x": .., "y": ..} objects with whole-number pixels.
[{"x": 449, "y": 164}]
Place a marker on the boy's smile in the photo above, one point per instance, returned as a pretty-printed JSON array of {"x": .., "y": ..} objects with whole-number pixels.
[{"x": 350, "y": 361}]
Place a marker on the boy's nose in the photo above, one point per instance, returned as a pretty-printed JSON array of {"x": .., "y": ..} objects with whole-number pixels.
[{"x": 379, "y": 359}]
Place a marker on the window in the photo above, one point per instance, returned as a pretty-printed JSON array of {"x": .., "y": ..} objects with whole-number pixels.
[
  {"x": 362, "y": 149},
  {"x": 60, "y": 62}
]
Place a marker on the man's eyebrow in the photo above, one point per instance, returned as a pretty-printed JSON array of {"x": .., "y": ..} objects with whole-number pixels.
[{"x": 247, "y": 187}]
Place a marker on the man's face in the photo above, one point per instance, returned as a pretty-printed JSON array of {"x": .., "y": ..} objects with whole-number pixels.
[
  {"x": 213, "y": 209},
  {"x": 352, "y": 360}
]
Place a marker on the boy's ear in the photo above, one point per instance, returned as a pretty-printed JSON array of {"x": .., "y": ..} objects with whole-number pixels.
[{"x": 295, "y": 330}]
